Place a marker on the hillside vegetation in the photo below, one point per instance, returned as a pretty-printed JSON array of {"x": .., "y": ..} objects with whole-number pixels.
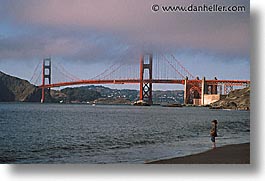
[{"x": 81, "y": 95}]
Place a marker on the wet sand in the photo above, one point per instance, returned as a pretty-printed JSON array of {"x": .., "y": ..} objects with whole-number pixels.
[{"x": 229, "y": 154}]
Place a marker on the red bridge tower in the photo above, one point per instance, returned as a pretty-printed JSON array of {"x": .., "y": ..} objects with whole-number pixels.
[
  {"x": 46, "y": 74},
  {"x": 146, "y": 78}
]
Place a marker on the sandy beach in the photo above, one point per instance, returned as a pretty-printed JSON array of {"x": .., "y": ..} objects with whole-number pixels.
[{"x": 229, "y": 154}]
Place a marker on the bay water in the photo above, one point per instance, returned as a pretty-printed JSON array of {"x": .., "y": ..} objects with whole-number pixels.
[{"x": 81, "y": 133}]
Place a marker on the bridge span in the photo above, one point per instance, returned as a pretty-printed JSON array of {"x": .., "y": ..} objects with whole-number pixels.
[{"x": 195, "y": 90}]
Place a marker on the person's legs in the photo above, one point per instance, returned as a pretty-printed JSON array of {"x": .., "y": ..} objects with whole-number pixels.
[
  {"x": 214, "y": 145},
  {"x": 213, "y": 140}
]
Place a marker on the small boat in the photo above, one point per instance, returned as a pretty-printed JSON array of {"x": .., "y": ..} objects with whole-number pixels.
[{"x": 141, "y": 103}]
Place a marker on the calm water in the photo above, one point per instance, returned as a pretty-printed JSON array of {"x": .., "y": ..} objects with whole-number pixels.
[{"x": 58, "y": 133}]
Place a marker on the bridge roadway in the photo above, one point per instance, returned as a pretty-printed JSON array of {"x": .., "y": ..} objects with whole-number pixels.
[{"x": 156, "y": 81}]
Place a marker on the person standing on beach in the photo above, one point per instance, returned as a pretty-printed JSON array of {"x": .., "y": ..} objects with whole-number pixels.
[{"x": 213, "y": 132}]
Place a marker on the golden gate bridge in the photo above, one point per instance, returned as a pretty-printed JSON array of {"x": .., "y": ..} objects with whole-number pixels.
[{"x": 157, "y": 69}]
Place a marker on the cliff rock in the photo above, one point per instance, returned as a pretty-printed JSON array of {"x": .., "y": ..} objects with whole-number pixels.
[
  {"x": 15, "y": 89},
  {"x": 238, "y": 99}
]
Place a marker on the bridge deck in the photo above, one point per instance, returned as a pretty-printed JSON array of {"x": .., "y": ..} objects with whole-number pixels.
[{"x": 137, "y": 81}]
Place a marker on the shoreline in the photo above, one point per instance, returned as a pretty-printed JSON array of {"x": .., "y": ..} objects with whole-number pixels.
[{"x": 228, "y": 154}]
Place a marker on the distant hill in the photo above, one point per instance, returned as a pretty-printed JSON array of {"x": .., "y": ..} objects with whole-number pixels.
[
  {"x": 109, "y": 93},
  {"x": 168, "y": 96},
  {"x": 121, "y": 95},
  {"x": 237, "y": 99},
  {"x": 15, "y": 89},
  {"x": 80, "y": 94}
]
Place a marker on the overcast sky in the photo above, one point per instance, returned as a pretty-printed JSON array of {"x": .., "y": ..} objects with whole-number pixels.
[{"x": 87, "y": 36}]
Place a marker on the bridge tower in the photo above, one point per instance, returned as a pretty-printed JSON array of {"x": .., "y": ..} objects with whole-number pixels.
[
  {"x": 146, "y": 78},
  {"x": 46, "y": 74},
  {"x": 192, "y": 91},
  {"x": 186, "y": 91}
]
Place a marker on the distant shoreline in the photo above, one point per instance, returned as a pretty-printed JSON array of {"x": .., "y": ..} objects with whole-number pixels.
[
  {"x": 110, "y": 104},
  {"x": 228, "y": 154}
]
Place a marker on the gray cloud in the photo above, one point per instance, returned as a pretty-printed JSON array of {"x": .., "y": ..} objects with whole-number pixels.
[{"x": 107, "y": 30}]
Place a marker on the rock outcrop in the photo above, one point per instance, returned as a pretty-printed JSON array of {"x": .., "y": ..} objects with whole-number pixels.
[
  {"x": 238, "y": 99},
  {"x": 15, "y": 89}
]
